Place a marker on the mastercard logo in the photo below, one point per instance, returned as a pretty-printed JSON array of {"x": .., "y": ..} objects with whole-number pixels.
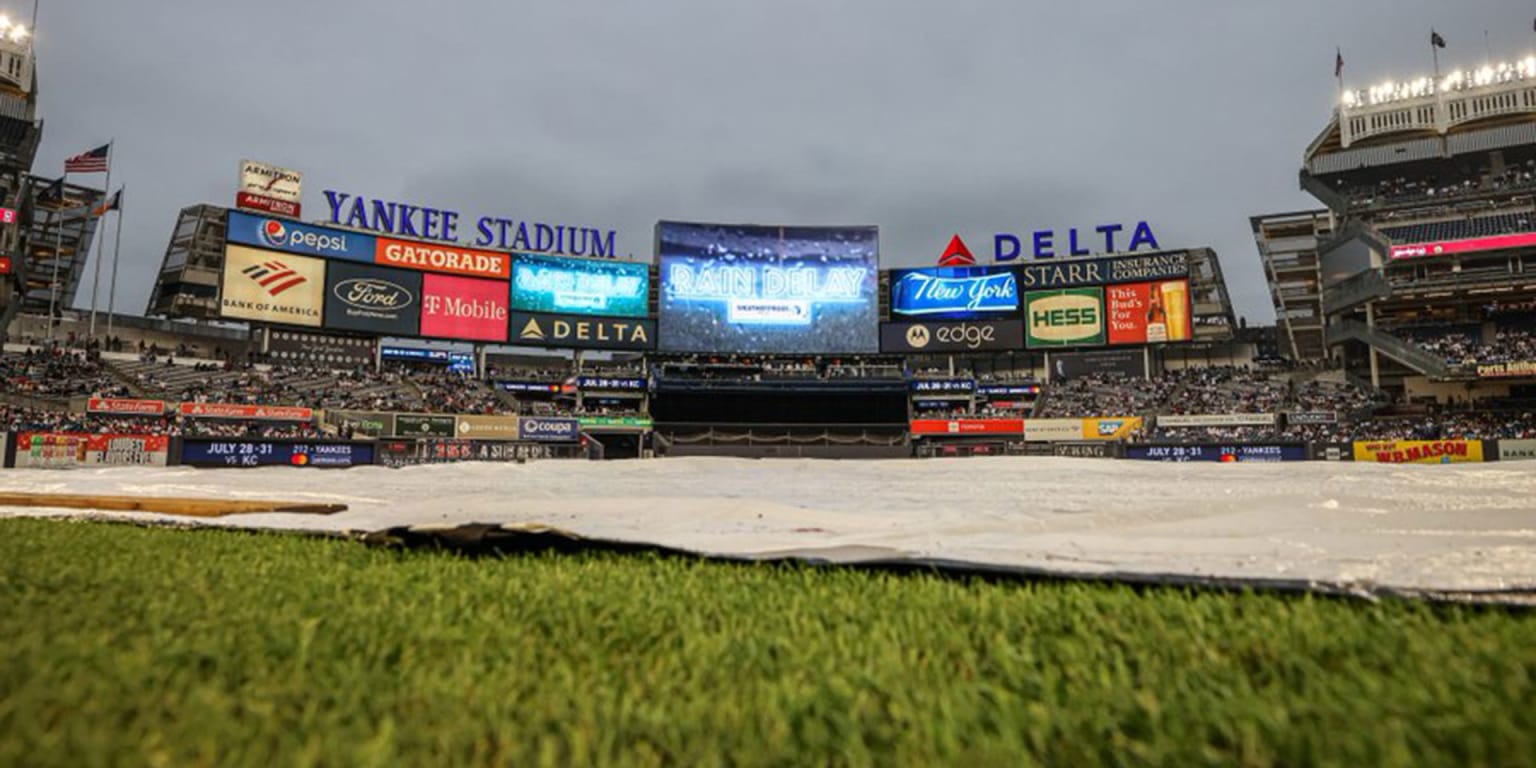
[{"x": 300, "y": 459}]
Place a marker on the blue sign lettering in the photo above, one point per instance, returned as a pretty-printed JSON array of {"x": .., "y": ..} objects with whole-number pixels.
[
  {"x": 423, "y": 222},
  {"x": 1007, "y": 247},
  {"x": 293, "y": 237},
  {"x": 579, "y": 286},
  {"x": 954, "y": 292}
]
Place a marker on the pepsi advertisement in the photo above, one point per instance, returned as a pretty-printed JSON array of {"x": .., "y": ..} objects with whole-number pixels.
[
  {"x": 293, "y": 237},
  {"x": 767, "y": 289},
  {"x": 954, "y": 293},
  {"x": 214, "y": 452},
  {"x": 579, "y": 286}
]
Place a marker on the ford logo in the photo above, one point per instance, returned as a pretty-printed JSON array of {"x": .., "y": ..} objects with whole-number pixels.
[{"x": 372, "y": 294}]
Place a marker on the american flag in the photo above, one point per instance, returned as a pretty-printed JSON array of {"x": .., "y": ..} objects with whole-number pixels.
[{"x": 94, "y": 161}]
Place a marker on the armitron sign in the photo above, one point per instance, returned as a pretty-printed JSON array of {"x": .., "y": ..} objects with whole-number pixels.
[{"x": 270, "y": 189}]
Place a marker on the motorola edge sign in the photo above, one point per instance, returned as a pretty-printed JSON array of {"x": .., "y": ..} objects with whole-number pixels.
[{"x": 956, "y": 336}]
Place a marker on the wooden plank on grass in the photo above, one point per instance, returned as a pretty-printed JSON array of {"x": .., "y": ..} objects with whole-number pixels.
[{"x": 167, "y": 505}]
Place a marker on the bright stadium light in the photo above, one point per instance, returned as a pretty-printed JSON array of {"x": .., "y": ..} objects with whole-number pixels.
[{"x": 18, "y": 33}]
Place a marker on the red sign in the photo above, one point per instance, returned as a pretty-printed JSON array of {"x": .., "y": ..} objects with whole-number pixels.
[
  {"x": 967, "y": 427},
  {"x": 442, "y": 257},
  {"x": 73, "y": 449},
  {"x": 270, "y": 205},
  {"x": 7, "y": 215},
  {"x": 1147, "y": 313},
  {"x": 1448, "y": 247},
  {"x": 5, "y": 265},
  {"x": 463, "y": 308},
  {"x": 125, "y": 407},
  {"x": 234, "y": 411}
]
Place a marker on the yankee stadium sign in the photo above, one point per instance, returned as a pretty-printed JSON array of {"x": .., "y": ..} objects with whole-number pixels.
[{"x": 503, "y": 234}]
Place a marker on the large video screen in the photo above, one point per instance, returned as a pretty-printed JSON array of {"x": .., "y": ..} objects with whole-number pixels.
[
  {"x": 954, "y": 293},
  {"x": 767, "y": 290},
  {"x": 579, "y": 286}
]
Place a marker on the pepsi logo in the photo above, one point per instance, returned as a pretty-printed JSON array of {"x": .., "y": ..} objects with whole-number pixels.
[{"x": 273, "y": 233}]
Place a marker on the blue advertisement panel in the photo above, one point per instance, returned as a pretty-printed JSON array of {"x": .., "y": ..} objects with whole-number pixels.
[
  {"x": 548, "y": 429},
  {"x": 579, "y": 286},
  {"x": 609, "y": 382},
  {"x": 767, "y": 290},
  {"x": 292, "y": 237},
  {"x": 954, "y": 293},
  {"x": 213, "y": 452},
  {"x": 1217, "y": 452},
  {"x": 414, "y": 354}
]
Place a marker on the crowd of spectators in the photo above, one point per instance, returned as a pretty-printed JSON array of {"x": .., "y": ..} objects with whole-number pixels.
[
  {"x": 14, "y": 419},
  {"x": 1463, "y": 347},
  {"x": 58, "y": 373},
  {"x": 1403, "y": 189}
]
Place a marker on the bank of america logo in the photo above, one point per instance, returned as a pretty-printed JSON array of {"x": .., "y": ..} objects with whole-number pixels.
[{"x": 274, "y": 276}]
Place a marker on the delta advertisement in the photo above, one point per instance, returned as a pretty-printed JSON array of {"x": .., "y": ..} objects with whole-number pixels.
[
  {"x": 583, "y": 332},
  {"x": 767, "y": 290},
  {"x": 954, "y": 293},
  {"x": 579, "y": 286},
  {"x": 213, "y": 452},
  {"x": 374, "y": 300},
  {"x": 44, "y": 450},
  {"x": 271, "y": 287},
  {"x": 1070, "y": 317},
  {"x": 463, "y": 308},
  {"x": 1419, "y": 451}
]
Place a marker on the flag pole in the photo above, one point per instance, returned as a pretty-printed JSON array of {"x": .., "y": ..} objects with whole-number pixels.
[
  {"x": 116, "y": 246},
  {"x": 58, "y": 253},
  {"x": 1434, "y": 50},
  {"x": 96, "y": 278}
]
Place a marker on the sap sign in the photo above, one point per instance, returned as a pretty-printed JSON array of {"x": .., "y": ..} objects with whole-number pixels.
[
  {"x": 548, "y": 430},
  {"x": 293, "y": 237},
  {"x": 956, "y": 293},
  {"x": 579, "y": 286},
  {"x": 1043, "y": 243}
]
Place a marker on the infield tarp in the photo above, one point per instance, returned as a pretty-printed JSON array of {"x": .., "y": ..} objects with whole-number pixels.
[{"x": 1359, "y": 527}]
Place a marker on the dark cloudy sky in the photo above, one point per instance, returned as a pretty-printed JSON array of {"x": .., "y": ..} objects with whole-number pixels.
[{"x": 925, "y": 118}]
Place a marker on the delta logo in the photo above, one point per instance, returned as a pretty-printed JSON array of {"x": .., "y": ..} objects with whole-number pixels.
[
  {"x": 956, "y": 254},
  {"x": 532, "y": 331},
  {"x": 274, "y": 276}
]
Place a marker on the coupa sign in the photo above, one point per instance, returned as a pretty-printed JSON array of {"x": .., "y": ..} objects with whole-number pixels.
[
  {"x": 428, "y": 223},
  {"x": 548, "y": 430},
  {"x": 1049, "y": 243}
]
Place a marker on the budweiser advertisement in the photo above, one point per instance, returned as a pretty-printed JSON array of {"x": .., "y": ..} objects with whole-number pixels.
[
  {"x": 443, "y": 257},
  {"x": 962, "y": 427},
  {"x": 238, "y": 411},
  {"x": 125, "y": 407},
  {"x": 464, "y": 309},
  {"x": 1470, "y": 245},
  {"x": 55, "y": 450},
  {"x": 1419, "y": 451},
  {"x": 1148, "y": 313}
]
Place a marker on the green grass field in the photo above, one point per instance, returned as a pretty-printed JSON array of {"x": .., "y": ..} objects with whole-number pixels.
[{"x": 165, "y": 647}]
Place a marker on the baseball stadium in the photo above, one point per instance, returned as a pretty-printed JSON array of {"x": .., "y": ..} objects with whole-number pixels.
[{"x": 377, "y": 480}]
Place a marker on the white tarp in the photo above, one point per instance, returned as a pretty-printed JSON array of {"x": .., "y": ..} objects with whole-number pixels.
[{"x": 1367, "y": 526}]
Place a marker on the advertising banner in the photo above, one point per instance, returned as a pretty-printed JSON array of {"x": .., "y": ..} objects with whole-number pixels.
[
  {"x": 45, "y": 450},
  {"x": 5, "y": 265},
  {"x": 614, "y": 422},
  {"x": 1228, "y": 453},
  {"x": 965, "y": 427},
  {"x": 405, "y": 453},
  {"x": 748, "y": 289},
  {"x": 318, "y": 349},
  {"x": 1311, "y": 417},
  {"x": 952, "y": 336},
  {"x": 622, "y": 384},
  {"x": 1217, "y": 420},
  {"x": 1470, "y": 245},
  {"x": 227, "y": 452},
  {"x": 1517, "y": 450},
  {"x": 363, "y": 423},
  {"x": 954, "y": 293},
  {"x": 579, "y": 286},
  {"x": 1106, "y": 270},
  {"x": 254, "y": 202},
  {"x": 1513, "y": 369},
  {"x": 246, "y": 412},
  {"x": 424, "y": 425},
  {"x": 373, "y": 300},
  {"x": 486, "y": 427},
  {"x": 1008, "y": 389},
  {"x": 271, "y": 181},
  {"x": 1148, "y": 313},
  {"x": 1130, "y": 363},
  {"x": 1111, "y": 428},
  {"x": 943, "y": 386},
  {"x": 530, "y": 386},
  {"x": 1092, "y": 450},
  {"x": 463, "y": 308},
  {"x": 1072, "y": 317},
  {"x": 548, "y": 429},
  {"x": 294, "y": 237},
  {"x": 125, "y": 407},
  {"x": 581, "y": 331},
  {"x": 271, "y": 288},
  {"x": 1052, "y": 430},
  {"x": 1419, "y": 451},
  {"x": 442, "y": 257}
]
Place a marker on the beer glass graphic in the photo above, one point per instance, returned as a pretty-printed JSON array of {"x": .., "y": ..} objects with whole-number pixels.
[{"x": 1175, "y": 294}]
